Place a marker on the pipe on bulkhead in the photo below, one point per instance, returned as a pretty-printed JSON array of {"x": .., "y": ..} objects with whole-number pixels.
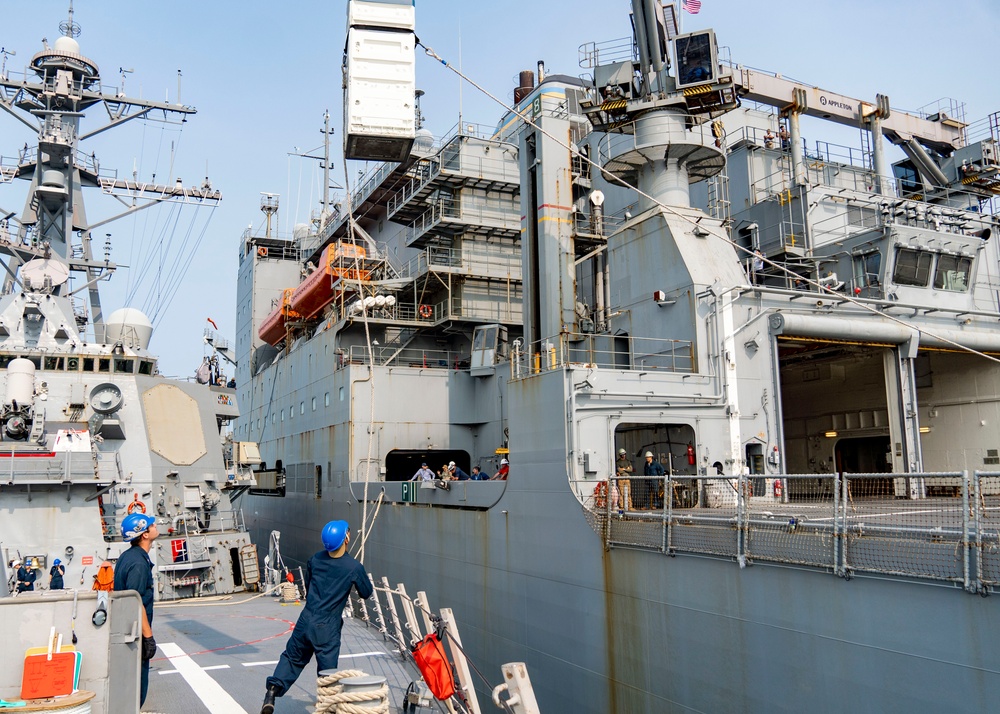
[
  {"x": 541, "y": 71},
  {"x": 798, "y": 160}
]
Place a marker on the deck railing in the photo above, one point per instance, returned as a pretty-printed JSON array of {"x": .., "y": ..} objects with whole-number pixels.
[
  {"x": 628, "y": 353},
  {"x": 933, "y": 526}
]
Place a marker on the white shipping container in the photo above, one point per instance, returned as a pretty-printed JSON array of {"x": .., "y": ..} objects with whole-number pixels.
[
  {"x": 378, "y": 14},
  {"x": 379, "y": 121}
]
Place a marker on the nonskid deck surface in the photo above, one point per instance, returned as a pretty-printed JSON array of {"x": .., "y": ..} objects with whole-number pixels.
[{"x": 214, "y": 657}]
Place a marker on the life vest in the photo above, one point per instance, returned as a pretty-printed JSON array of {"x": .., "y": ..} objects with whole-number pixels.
[
  {"x": 105, "y": 578},
  {"x": 434, "y": 666}
]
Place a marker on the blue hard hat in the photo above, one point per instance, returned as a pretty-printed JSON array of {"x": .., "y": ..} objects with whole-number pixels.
[
  {"x": 135, "y": 524},
  {"x": 334, "y": 534},
  {"x": 56, "y": 561}
]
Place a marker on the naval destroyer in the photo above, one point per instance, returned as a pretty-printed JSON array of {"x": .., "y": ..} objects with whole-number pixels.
[
  {"x": 90, "y": 431},
  {"x": 746, "y": 379}
]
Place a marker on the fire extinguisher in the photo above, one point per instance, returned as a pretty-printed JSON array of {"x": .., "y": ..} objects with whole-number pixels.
[
  {"x": 690, "y": 453},
  {"x": 777, "y": 488}
]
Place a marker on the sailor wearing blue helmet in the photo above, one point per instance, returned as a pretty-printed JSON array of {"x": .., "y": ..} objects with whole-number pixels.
[
  {"x": 330, "y": 575},
  {"x": 134, "y": 571},
  {"x": 56, "y": 573}
]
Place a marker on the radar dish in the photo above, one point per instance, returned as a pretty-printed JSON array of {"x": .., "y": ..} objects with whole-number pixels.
[{"x": 42, "y": 273}]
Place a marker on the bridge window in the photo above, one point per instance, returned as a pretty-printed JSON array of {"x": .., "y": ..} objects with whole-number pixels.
[
  {"x": 952, "y": 273},
  {"x": 913, "y": 267},
  {"x": 867, "y": 268}
]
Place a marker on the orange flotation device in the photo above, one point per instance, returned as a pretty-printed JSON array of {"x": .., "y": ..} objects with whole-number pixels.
[{"x": 434, "y": 666}]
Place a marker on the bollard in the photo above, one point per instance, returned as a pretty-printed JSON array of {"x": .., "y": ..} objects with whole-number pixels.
[{"x": 351, "y": 692}]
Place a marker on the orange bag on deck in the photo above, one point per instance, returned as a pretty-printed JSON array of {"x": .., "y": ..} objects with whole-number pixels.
[{"x": 434, "y": 666}]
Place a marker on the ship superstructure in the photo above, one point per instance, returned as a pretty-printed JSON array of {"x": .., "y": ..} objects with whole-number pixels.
[
  {"x": 793, "y": 343},
  {"x": 89, "y": 429}
]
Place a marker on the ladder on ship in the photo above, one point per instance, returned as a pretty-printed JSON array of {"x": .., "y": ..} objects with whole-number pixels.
[{"x": 718, "y": 198}]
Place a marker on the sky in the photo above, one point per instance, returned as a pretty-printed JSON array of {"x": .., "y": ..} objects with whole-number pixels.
[{"x": 262, "y": 74}]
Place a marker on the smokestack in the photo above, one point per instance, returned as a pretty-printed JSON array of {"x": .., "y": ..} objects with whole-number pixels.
[{"x": 526, "y": 82}]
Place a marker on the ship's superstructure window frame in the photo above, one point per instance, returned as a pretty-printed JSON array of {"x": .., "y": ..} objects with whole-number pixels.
[
  {"x": 952, "y": 272},
  {"x": 868, "y": 269},
  {"x": 88, "y": 364},
  {"x": 145, "y": 367},
  {"x": 104, "y": 364},
  {"x": 912, "y": 267},
  {"x": 124, "y": 365}
]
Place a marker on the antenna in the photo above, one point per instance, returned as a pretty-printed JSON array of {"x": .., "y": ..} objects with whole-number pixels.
[
  {"x": 122, "y": 71},
  {"x": 6, "y": 53},
  {"x": 418, "y": 115},
  {"x": 69, "y": 28}
]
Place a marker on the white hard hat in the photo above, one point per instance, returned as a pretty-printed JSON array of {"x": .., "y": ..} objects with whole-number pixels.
[
  {"x": 621, "y": 451},
  {"x": 649, "y": 453},
  {"x": 451, "y": 464},
  {"x": 504, "y": 461},
  {"x": 16, "y": 562}
]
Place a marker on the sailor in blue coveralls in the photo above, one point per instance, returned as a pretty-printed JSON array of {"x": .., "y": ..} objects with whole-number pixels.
[
  {"x": 330, "y": 575},
  {"x": 134, "y": 571}
]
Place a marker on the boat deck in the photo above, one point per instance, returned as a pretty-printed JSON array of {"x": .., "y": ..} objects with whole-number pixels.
[{"x": 214, "y": 657}]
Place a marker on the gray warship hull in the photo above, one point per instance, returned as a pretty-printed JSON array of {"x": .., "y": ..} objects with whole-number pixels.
[{"x": 745, "y": 385}]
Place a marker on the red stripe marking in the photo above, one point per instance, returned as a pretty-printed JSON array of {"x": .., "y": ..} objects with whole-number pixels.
[
  {"x": 27, "y": 454},
  {"x": 291, "y": 626}
]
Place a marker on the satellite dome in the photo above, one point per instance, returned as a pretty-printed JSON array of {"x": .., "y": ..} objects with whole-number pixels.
[
  {"x": 130, "y": 327},
  {"x": 66, "y": 44},
  {"x": 300, "y": 231},
  {"x": 423, "y": 142}
]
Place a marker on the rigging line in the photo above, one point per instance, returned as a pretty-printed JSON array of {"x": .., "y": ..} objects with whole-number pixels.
[
  {"x": 823, "y": 289},
  {"x": 353, "y": 228},
  {"x": 152, "y": 258},
  {"x": 181, "y": 263},
  {"x": 146, "y": 258},
  {"x": 156, "y": 284},
  {"x": 182, "y": 266}
]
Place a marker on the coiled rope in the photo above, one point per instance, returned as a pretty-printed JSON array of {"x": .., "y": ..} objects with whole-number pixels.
[
  {"x": 332, "y": 699},
  {"x": 289, "y": 592}
]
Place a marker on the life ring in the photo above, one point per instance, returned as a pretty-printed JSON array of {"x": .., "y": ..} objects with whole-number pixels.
[
  {"x": 601, "y": 494},
  {"x": 136, "y": 505},
  {"x": 262, "y": 252},
  {"x": 425, "y": 311}
]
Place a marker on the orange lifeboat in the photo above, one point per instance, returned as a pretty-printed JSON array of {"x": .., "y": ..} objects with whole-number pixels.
[
  {"x": 338, "y": 261},
  {"x": 272, "y": 330}
]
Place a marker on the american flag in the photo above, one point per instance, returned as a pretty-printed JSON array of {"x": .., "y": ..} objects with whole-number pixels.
[{"x": 691, "y": 6}]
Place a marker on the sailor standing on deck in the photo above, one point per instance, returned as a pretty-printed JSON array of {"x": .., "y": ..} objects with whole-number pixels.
[
  {"x": 423, "y": 473},
  {"x": 56, "y": 573},
  {"x": 134, "y": 571},
  {"x": 330, "y": 575},
  {"x": 25, "y": 576}
]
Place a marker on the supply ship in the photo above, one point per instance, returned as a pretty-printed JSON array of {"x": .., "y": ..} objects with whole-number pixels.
[
  {"x": 746, "y": 379},
  {"x": 90, "y": 431}
]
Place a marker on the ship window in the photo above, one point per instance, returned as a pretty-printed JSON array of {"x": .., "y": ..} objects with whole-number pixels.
[
  {"x": 913, "y": 267},
  {"x": 73, "y": 364},
  {"x": 326, "y": 399},
  {"x": 282, "y": 415},
  {"x": 341, "y": 393},
  {"x": 88, "y": 364},
  {"x": 5, "y": 360},
  {"x": 52, "y": 363},
  {"x": 314, "y": 403},
  {"x": 867, "y": 268},
  {"x": 291, "y": 412},
  {"x": 103, "y": 364},
  {"x": 302, "y": 407},
  {"x": 145, "y": 367},
  {"x": 123, "y": 366},
  {"x": 952, "y": 273}
]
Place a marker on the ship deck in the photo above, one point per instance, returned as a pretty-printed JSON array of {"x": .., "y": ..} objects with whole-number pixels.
[{"x": 214, "y": 657}]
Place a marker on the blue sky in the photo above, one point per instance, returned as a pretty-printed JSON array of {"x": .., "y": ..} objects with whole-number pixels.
[{"x": 261, "y": 74}]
